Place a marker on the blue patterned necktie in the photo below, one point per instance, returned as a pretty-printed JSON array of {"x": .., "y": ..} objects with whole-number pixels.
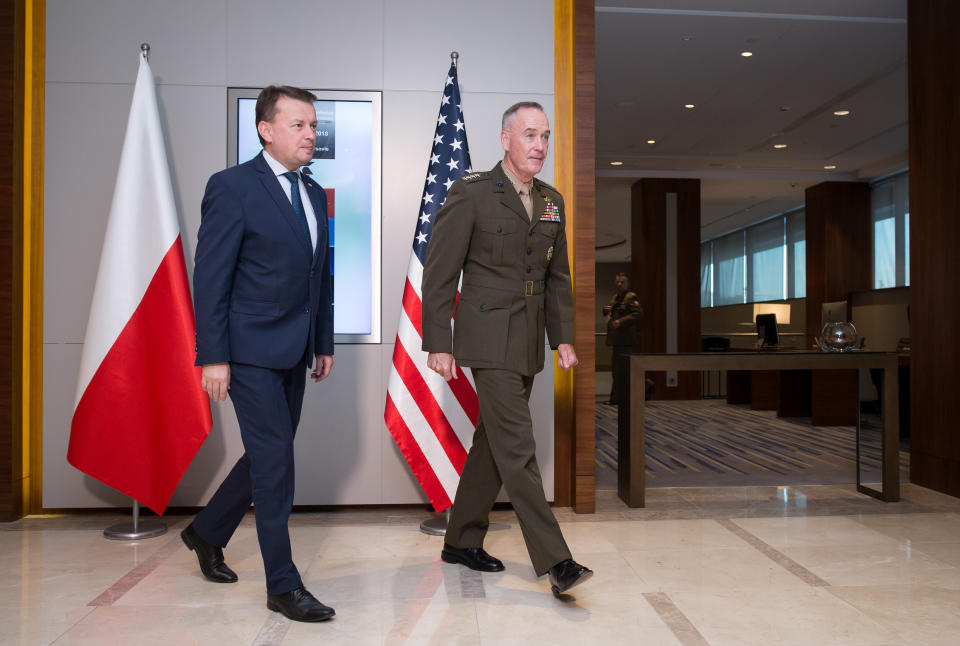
[{"x": 296, "y": 202}]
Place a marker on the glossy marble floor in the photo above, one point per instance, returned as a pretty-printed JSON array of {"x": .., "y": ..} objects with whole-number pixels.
[{"x": 817, "y": 565}]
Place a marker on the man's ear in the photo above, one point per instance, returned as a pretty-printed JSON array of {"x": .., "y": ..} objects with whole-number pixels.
[{"x": 266, "y": 131}]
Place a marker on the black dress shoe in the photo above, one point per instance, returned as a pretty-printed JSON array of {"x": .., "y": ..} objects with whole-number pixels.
[
  {"x": 210, "y": 557},
  {"x": 566, "y": 574},
  {"x": 474, "y": 558},
  {"x": 299, "y": 605}
]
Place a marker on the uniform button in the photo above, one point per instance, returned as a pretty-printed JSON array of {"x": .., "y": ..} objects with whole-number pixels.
[
  {"x": 306, "y": 310},
  {"x": 529, "y": 251},
  {"x": 529, "y": 269},
  {"x": 482, "y": 307},
  {"x": 499, "y": 229}
]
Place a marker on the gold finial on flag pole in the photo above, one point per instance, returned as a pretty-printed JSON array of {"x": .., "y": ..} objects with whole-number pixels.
[
  {"x": 145, "y": 50},
  {"x": 453, "y": 57}
]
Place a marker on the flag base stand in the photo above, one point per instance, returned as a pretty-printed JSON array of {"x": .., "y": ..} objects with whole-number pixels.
[
  {"x": 136, "y": 530},
  {"x": 436, "y": 526}
]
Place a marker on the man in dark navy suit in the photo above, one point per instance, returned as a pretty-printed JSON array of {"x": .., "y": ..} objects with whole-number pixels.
[{"x": 264, "y": 316}]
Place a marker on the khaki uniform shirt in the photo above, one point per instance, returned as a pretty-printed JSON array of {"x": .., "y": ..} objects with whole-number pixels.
[{"x": 516, "y": 275}]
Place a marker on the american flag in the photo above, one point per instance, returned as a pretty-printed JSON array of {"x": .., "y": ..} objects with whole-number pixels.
[{"x": 432, "y": 420}]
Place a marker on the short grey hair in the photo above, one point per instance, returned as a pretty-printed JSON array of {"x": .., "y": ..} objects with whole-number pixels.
[{"x": 512, "y": 110}]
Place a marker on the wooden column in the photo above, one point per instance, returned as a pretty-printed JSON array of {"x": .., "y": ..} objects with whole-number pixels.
[
  {"x": 655, "y": 266},
  {"x": 11, "y": 119},
  {"x": 574, "y": 160},
  {"x": 839, "y": 248},
  {"x": 839, "y": 253},
  {"x": 934, "y": 88}
]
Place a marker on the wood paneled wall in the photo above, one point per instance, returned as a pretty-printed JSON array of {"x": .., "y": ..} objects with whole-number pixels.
[
  {"x": 839, "y": 248},
  {"x": 839, "y": 253},
  {"x": 575, "y": 163},
  {"x": 11, "y": 78},
  {"x": 934, "y": 102},
  {"x": 649, "y": 274}
]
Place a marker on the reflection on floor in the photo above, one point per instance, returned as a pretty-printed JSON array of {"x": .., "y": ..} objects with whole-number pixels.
[
  {"x": 709, "y": 442},
  {"x": 731, "y": 566}
]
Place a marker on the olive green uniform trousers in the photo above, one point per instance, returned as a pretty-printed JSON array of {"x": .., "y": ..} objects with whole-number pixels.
[{"x": 504, "y": 452}]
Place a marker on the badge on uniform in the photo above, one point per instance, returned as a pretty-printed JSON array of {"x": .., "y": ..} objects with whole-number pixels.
[
  {"x": 551, "y": 213},
  {"x": 549, "y": 254}
]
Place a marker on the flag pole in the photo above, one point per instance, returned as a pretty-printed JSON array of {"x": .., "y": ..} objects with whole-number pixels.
[
  {"x": 437, "y": 526},
  {"x": 136, "y": 530}
]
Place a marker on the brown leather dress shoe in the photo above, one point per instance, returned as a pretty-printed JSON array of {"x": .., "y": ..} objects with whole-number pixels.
[
  {"x": 474, "y": 558},
  {"x": 299, "y": 605},
  {"x": 566, "y": 574},
  {"x": 210, "y": 557}
]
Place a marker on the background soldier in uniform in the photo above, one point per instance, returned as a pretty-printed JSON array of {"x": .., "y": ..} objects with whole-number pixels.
[
  {"x": 505, "y": 230},
  {"x": 625, "y": 312}
]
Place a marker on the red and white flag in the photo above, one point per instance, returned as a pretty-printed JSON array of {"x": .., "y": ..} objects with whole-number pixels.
[
  {"x": 140, "y": 414},
  {"x": 432, "y": 420}
]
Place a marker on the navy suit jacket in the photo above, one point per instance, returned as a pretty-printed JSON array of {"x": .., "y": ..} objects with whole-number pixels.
[{"x": 261, "y": 295}]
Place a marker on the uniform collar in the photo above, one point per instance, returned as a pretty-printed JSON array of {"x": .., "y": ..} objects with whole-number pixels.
[{"x": 517, "y": 184}]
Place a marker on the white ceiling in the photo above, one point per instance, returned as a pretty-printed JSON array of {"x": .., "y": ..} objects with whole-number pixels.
[{"x": 810, "y": 57}]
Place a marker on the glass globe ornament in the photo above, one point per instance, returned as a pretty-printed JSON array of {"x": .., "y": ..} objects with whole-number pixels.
[{"x": 838, "y": 337}]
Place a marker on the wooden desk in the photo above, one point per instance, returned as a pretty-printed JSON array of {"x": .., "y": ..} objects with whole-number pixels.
[{"x": 631, "y": 476}]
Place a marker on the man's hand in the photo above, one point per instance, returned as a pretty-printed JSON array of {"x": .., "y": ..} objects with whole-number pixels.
[
  {"x": 615, "y": 323},
  {"x": 567, "y": 358},
  {"x": 322, "y": 367},
  {"x": 215, "y": 380},
  {"x": 443, "y": 364}
]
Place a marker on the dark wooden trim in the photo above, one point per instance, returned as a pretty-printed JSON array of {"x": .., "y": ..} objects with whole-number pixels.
[
  {"x": 11, "y": 208},
  {"x": 584, "y": 256},
  {"x": 649, "y": 269},
  {"x": 574, "y": 155},
  {"x": 933, "y": 54}
]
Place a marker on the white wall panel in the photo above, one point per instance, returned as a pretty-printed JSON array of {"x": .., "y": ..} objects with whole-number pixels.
[
  {"x": 332, "y": 45},
  {"x": 344, "y": 453},
  {"x": 505, "y": 46},
  {"x": 97, "y": 41}
]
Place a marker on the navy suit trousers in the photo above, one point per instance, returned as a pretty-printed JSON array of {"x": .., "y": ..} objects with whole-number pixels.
[{"x": 268, "y": 404}]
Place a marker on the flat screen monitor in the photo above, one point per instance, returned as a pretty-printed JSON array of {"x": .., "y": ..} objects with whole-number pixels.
[
  {"x": 767, "y": 329},
  {"x": 835, "y": 312},
  {"x": 347, "y": 164}
]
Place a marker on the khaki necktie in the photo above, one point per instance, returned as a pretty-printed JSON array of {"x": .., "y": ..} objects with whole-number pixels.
[{"x": 527, "y": 201}]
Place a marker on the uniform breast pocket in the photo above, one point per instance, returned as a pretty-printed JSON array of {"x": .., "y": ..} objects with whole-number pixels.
[{"x": 498, "y": 238}]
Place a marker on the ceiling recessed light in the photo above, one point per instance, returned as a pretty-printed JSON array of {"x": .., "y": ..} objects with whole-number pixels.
[
  {"x": 651, "y": 141},
  {"x": 616, "y": 163},
  {"x": 746, "y": 54},
  {"x": 829, "y": 167},
  {"x": 778, "y": 146},
  {"x": 841, "y": 113},
  {"x": 689, "y": 106}
]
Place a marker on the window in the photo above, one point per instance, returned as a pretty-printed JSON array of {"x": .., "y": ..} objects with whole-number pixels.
[
  {"x": 766, "y": 257},
  {"x": 891, "y": 232},
  {"x": 763, "y": 262},
  {"x": 796, "y": 226},
  {"x": 728, "y": 263},
  {"x": 706, "y": 274}
]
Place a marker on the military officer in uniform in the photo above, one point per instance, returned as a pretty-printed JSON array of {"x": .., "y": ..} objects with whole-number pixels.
[
  {"x": 624, "y": 313},
  {"x": 504, "y": 229}
]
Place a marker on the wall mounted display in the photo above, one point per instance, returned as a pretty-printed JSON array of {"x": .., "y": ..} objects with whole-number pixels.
[{"x": 347, "y": 164}]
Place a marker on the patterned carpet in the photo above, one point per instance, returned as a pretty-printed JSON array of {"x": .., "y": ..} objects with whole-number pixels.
[{"x": 703, "y": 443}]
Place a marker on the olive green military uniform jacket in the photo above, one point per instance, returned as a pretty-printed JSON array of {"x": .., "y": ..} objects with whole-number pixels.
[
  {"x": 516, "y": 276},
  {"x": 625, "y": 308}
]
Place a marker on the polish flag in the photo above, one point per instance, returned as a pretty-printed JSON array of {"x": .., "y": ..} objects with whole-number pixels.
[{"x": 140, "y": 414}]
